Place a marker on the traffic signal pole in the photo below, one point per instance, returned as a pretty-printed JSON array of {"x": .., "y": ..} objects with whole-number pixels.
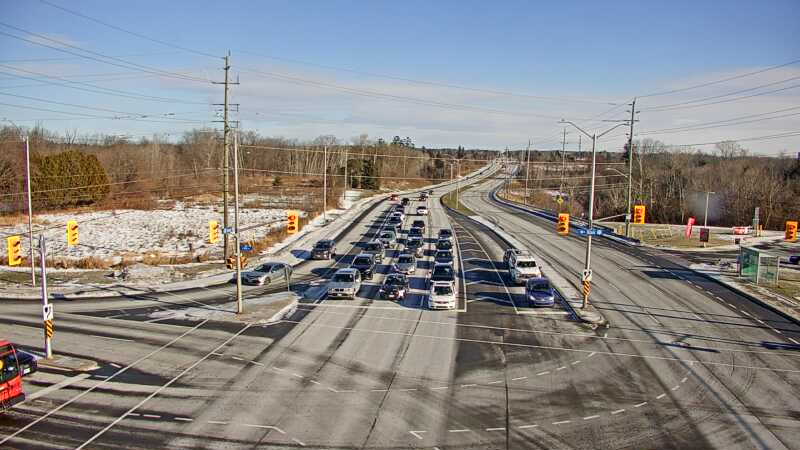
[{"x": 239, "y": 305}]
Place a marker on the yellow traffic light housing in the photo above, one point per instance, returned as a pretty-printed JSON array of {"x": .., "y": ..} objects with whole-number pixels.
[
  {"x": 72, "y": 233},
  {"x": 563, "y": 224},
  {"x": 292, "y": 221},
  {"x": 14, "y": 244},
  {"x": 638, "y": 214},
  {"x": 791, "y": 230},
  {"x": 230, "y": 263},
  {"x": 213, "y": 231}
]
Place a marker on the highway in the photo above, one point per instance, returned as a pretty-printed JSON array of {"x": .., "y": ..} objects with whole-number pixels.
[{"x": 684, "y": 364}]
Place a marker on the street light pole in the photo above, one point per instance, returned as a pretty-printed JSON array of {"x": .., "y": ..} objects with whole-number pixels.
[
  {"x": 30, "y": 209},
  {"x": 588, "y": 259},
  {"x": 325, "y": 184},
  {"x": 238, "y": 253},
  {"x": 527, "y": 168},
  {"x": 630, "y": 170},
  {"x": 705, "y": 214}
]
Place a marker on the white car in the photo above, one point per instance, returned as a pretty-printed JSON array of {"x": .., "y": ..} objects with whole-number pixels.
[
  {"x": 398, "y": 215},
  {"x": 442, "y": 295},
  {"x": 422, "y": 210}
]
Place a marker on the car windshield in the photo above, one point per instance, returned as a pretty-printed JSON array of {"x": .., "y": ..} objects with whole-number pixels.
[
  {"x": 526, "y": 264},
  {"x": 405, "y": 260},
  {"x": 395, "y": 281},
  {"x": 415, "y": 231},
  {"x": 539, "y": 287},
  {"x": 264, "y": 267},
  {"x": 344, "y": 278},
  {"x": 387, "y": 235},
  {"x": 362, "y": 261},
  {"x": 442, "y": 290},
  {"x": 444, "y": 271},
  {"x": 414, "y": 243},
  {"x": 374, "y": 246},
  {"x": 444, "y": 253},
  {"x": 324, "y": 245},
  {"x": 445, "y": 233},
  {"x": 8, "y": 364}
]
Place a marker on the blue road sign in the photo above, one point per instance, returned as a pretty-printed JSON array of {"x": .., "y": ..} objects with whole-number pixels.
[
  {"x": 593, "y": 231},
  {"x": 245, "y": 247},
  {"x": 227, "y": 230}
]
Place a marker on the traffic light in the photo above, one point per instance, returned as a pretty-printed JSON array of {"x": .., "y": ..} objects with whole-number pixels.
[
  {"x": 638, "y": 214},
  {"x": 213, "y": 231},
  {"x": 563, "y": 224},
  {"x": 14, "y": 250},
  {"x": 230, "y": 263},
  {"x": 292, "y": 221},
  {"x": 72, "y": 233},
  {"x": 791, "y": 230}
]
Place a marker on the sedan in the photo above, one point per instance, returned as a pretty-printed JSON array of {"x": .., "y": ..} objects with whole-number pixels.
[
  {"x": 394, "y": 287},
  {"x": 443, "y": 256},
  {"x": 28, "y": 362},
  {"x": 405, "y": 264},
  {"x": 267, "y": 273},
  {"x": 422, "y": 210}
]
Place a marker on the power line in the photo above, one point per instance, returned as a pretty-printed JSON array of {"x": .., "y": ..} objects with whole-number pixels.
[
  {"x": 73, "y": 105},
  {"x": 754, "y": 138},
  {"x": 94, "y": 116},
  {"x": 132, "y": 33},
  {"x": 724, "y": 123},
  {"x": 696, "y": 103},
  {"x": 723, "y": 80}
]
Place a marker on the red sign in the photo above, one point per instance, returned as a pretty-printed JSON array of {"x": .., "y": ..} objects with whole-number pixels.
[{"x": 689, "y": 225}]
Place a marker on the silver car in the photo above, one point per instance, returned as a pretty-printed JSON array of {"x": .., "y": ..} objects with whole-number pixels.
[
  {"x": 406, "y": 263},
  {"x": 267, "y": 273},
  {"x": 345, "y": 283}
]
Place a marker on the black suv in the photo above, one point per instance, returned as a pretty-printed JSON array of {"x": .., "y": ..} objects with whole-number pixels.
[
  {"x": 394, "y": 287},
  {"x": 443, "y": 272},
  {"x": 444, "y": 244},
  {"x": 365, "y": 264},
  {"x": 324, "y": 249},
  {"x": 405, "y": 201},
  {"x": 418, "y": 223}
]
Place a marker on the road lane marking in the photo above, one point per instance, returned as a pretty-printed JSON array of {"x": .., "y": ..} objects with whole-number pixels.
[
  {"x": 266, "y": 427},
  {"x": 151, "y": 416},
  {"x": 495, "y": 382},
  {"x": 297, "y": 375},
  {"x": 379, "y": 390},
  {"x": 417, "y": 433},
  {"x": 525, "y": 427},
  {"x": 440, "y": 387},
  {"x": 112, "y": 338},
  {"x": 561, "y": 368},
  {"x": 576, "y": 362},
  {"x": 299, "y": 442},
  {"x": 683, "y": 380},
  {"x": 542, "y": 373},
  {"x": 591, "y": 417},
  {"x": 618, "y": 411},
  {"x": 55, "y": 387},
  {"x": 518, "y": 378},
  {"x": 793, "y": 340},
  {"x": 639, "y": 405},
  {"x": 468, "y": 385},
  {"x": 237, "y": 358},
  {"x": 124, "y": 369},
  {"x": 496, "y": 429},
  {"x": 661, "y": 396},
  {"x": 256, "y": 363},
  {"x": 184, "y": 419},
  {"x": 314, "y": 382},
  {"x": 675, "y": 388},
  {"x": 461, "y": 430},
  {"x": 562, "y": 422}
]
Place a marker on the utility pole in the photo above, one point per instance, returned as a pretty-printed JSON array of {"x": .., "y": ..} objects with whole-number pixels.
[
  {"x": 705, "y": 214},
  {"x": 588, "y": 260},
  {"x": 325, "y": 184},
  {"x": 30, "y": 209},
  {"x": 225, "y": 155},
  {"x": 527, "y": 168},
  {"x": 563, "y": 159},
  {"x": 46, "y": 316},
  {"x": 238, "y": 253},
  {"x": 630, "y": 169}
]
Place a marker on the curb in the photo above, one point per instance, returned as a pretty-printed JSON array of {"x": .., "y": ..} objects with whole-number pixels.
[{"x": 285, "y": 312}]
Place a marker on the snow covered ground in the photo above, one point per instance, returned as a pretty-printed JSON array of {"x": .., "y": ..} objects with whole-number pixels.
[{"x": 180, "y": 230}]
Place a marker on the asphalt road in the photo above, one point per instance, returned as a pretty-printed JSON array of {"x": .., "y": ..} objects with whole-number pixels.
[{"x": 677, "y": 368}]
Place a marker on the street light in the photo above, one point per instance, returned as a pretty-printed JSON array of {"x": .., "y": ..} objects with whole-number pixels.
[
  {"x": 28, "y": 189},
  {"x": 588, "y": 267}
]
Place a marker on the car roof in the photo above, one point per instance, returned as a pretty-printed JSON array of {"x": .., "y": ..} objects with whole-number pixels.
[
  {"x": 347, "y": 270},
  {"x": 439, "y": 264},
  {"x": 368, "y": 255},
  {"x": 442, "y": 283}
]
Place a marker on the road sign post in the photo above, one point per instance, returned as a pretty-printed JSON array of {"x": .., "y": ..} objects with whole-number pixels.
[{"x": 47, "y": 309}]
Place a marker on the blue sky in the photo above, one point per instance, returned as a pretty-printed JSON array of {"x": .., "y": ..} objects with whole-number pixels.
[{"x": 587, "y": 54}]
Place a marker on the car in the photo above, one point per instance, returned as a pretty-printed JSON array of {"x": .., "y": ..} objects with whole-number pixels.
[
  {"x": 415, "y": 232},
  {"x": 442, "y": 295},
  {"x": 324, "y": 249},
  {"x": 415, "y": 246},
  {"x": 443, "y": 256},
  {"x": 445, "y": 233},
  {"x": 388, "y": 238},
  {"x": 28, "y": 362},
  {"x": 522, "y": 266},
  {"x": 539, "y": 292},
  {"x": 406, "y": 263},
  {"x": 444, "y": 244},
  {"x": 393, "y": 197},
  {"x": 423, "y": 196},
  {"x": 422, "y": 210},
  {"x": 375, "y": 249},
  {"x": 430, "y": 192},
  {"x": 365, "y": 264},
  {"x": 794, "y": 259},
  {"x": 442, "y": 272},
  {"x": 345, "y": 283},
  {"x": 405, "y": 201},
  {"x": 394, "y": 287},
  {"x": 510, "y": 251},
  {"x": 399, "y": 208},
  {"x": 267, "y": 273},
  {"x": 397, "y": 215},
  {"x": 418, "y": 223}
]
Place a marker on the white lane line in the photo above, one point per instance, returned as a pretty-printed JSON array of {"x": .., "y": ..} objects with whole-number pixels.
[
  {"x": 73, "y": 399},
  {"x": 417, "y": 433},
  {"x": 379, "y": 390},
  {"x": 218, "y": 422},
  {"x": 407, "y": 389},
  {"x": 575, "y": 362},
  {"x": 299, "y": 442},
  {"x": 793, "y": 340},
  {"x": 440, "y": 387},
  {"x": 332, "y": 389},
  {"x": 346, "y": 391},
  {"x": 297, "y": 375},
  {"x": 562, "y": 422},
  {"x": 237, "y": 358},
  {"x": 266, "y": 427},
  {"x": 256, "y": 363},
  {"x": 661, "y": 396},
  {"x": 314, "y": 382},
  {"x": 55, "y": 387},
  {"x": 683, "y": 380},
  {"x": 542, "y": 373},
  {"x": 591, "y": 354},
  {"x": 761, "y": 321},
  {"x": 525, "y": 427},
  {"x": 151, "y": 416},
  {"x": 639, "y": 405},
  {"x": 618, "y": 411},
  {"x": 468, "y": 385},
  {"x": 461, "y": 430},
  {"x": 184, "y": 419},
  {"x": 116, "y": 366},
  {"x": 675, "y": 388},
  {"x": 562, "y": 368},
  {"x": 495, "y": 382},
  {"x": 777, "y": 331},
  {"x": 496, "y": 429},
  {"x": 162, "y": 387},
  {"x": 591, "y": 417},
  {"x": 112, "y": 338},
  {"x": 134, "y": 414},
  {"x": 518, "y": 378}
]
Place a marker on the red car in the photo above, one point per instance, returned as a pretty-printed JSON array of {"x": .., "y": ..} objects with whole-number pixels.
[{"x": 10, "y": 377}]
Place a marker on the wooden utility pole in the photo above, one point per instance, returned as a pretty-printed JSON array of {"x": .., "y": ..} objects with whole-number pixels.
[
  {"x": 225, "y": 157},
  {"x": 630, "y": 169}
]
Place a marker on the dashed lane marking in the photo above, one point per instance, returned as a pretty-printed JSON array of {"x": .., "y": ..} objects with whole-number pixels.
[
  {"x": 218, "y": 422},
  {"x": 561, "y": 368},
  {"x": 525, "y": 427},
  {"x": 591, "y": 354},
  {"x": 661, "y": 396},
  {"x": 576, "y": 362},
  {"x": 793, "y": 340},
  {"x": 518, "y": 378},
  {"x": 619, "y": 411},
  {"x": 460, "y": 430},
  {"x": 561, "y": 422},
  {"x": 639, "y": 405},
  {"x": 495, "y": 382},
  {"x": 184, "y": 419},
  {"x": 468, "y": 385},
  {"x": 299, "y": 442},
  {"x": 417, "y": 433},
  {"x": 496, "y": 429},
  {"x": 683, "y": 380},
  {"x": 591, "y": 417},
  {"x": 542, "y": 373}
]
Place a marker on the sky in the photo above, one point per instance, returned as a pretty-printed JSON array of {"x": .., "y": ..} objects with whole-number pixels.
[{"x": 445, "y": 73}]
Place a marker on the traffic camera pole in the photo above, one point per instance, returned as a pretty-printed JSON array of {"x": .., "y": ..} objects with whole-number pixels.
[
  {"x": 239, "y": 305},
  {"x": 48, "y": 327}
]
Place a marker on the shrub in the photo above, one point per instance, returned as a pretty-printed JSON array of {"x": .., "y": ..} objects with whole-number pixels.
[{"x": 67, "y": 179}]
